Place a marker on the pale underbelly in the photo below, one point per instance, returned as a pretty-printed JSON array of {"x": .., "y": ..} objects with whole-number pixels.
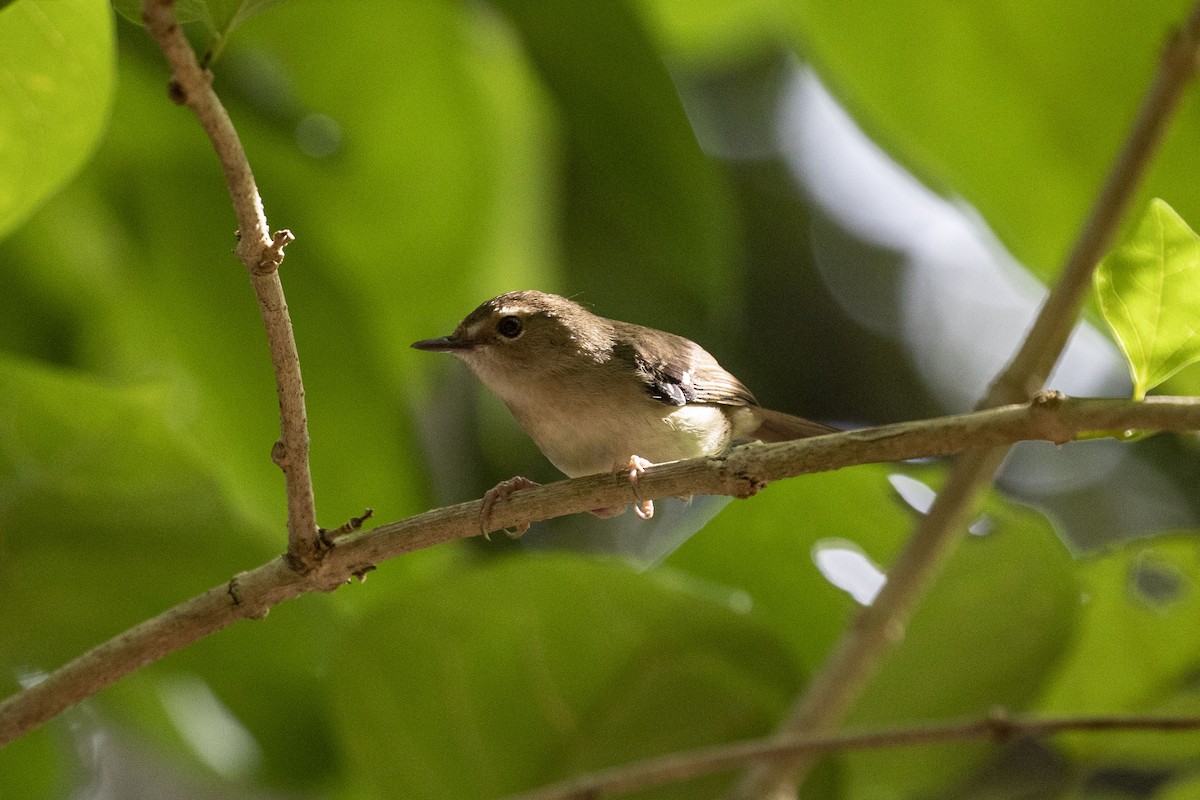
[{"x": 586, "y": 442}]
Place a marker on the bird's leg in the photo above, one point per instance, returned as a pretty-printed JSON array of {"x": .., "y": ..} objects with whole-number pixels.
[
  {"x": 499, "y": 492},
  {"x": 643, "y": 508}
]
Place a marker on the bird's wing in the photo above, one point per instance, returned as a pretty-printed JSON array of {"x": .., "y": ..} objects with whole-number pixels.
[{"x": 677, "y": 371}]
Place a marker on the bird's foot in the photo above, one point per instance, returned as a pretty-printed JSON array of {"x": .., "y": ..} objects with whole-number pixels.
[
  {"x": 643, "y": 508},
  {"x": 498, "y": 493}
]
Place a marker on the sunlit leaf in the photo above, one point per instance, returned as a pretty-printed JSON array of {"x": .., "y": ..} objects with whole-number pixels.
[
  {"x": 1149, "y": 292},
  {"x": 56, "y": 84}
]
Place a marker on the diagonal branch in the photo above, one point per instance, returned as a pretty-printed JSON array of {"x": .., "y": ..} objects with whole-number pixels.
[
  {"x": 261, "y": 253},
  {"x": 854, "y": 659},
  {"x": 741, "y": 472}
]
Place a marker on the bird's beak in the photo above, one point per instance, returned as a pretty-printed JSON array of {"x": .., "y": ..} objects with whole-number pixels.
[{"x": 444, "y": 344}]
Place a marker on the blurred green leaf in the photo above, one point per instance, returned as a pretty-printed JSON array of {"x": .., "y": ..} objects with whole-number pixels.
[
  {"x": 1012, "y": 585},
  {"x": 439, "y": 195},
  {"x": 109, "y": 515},
  {"x": 186, "y": 11},
  {"x": 642, "y": 204},
  {"x": 536, "y": 668},
  {"x": 225, "y": 16},
  {"x": 702, "y": 31},
  {"x": 1149, "y": 290},
  {"x": 1137, "y": 650},
  {"x": 32, "y": 768},
  {"x": 984, "y": 101},
  {"x": 57, "y": 58},
  {"x": 270, "y": 676},
  {"x": 462, "y": 150},
  {"x": 218, "y": 18},
  {"x": 100, "y": 488},
  {"x": 1185, "y": 788}
]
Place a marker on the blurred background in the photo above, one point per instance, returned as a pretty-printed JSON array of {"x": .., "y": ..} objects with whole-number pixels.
[{"x": 856, "y": 207}]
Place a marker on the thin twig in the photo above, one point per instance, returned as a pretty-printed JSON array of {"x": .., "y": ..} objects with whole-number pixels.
[
  {"x": 741, "y": 472},
  {"x": 261, "y": 253},
  {"x": 1031, "y": 366},
  {"x": 854, "y": 659},
  {"x": 683, "y": 766}
]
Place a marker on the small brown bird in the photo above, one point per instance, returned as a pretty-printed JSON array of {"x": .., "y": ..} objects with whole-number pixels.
[{"x": 598, "y": 395}]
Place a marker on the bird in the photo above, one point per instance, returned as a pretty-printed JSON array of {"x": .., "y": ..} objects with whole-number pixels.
[{"x": 599, "y": 395}]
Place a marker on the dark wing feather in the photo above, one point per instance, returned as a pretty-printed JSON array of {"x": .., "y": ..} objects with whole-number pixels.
[{"x": 677, "y": 371}]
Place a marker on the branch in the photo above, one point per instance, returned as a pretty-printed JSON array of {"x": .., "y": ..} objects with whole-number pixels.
[
  {"x": 1030, "y": 368},
  {"x": 684, "y": 766},
  {"x": 740, "y": 472},
  {"x": 854, "y": 659},
  {"x": 261, "y": 253}
]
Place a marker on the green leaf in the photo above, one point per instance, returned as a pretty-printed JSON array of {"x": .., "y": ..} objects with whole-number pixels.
[
  {"x": 1012, "y": 585},
  {"x": 57, "y": 62},
  {"x": 1136, "y": 649},
  {"x": 533, "y": 669},
  {"x": 32, "y": 768},
  {"x": 224, "y": 17},
  {"x": 983, "y": 101},
  {"x": 1149, "y": 290},
  {"x": 102, "y": 497},
  {"x": 1186, "y": 787},
  {"x": 642, "y": 204},
  {"x": 218, "y": 18},
  {"x": 186, "y": 11},
  {"x": 109, "y": 514}
]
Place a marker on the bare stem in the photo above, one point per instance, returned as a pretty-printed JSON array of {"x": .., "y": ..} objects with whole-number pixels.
[
  {"x": 1030, "y": 368},
  {"x": 261, "y": 253},
  {"x": 854, "y": 659},
  {"x": 249, "y": 595},
  {"x": 694, "y": 763}
]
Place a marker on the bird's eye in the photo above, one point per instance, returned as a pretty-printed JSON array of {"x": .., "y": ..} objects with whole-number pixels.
[{"x": 509, "y": 327}]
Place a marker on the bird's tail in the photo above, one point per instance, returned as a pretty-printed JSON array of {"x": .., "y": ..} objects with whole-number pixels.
[{"x": 777, "y": 426}]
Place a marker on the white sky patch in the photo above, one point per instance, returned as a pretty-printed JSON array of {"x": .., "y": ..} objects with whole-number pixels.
[
  {"x": 846, "y": 566},
  {"x": 208, "y": 726},
  {"x": 913, "y": 492},
  {"x": 953, "y": 277}
]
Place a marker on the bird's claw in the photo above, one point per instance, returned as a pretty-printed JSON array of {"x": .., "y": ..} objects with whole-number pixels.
[
  {"x": 500, "y": 492},
  {"x": 643, "y": 508}
]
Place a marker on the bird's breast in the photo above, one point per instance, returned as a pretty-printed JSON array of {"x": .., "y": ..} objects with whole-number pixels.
[{"x": 585, "y": 437}]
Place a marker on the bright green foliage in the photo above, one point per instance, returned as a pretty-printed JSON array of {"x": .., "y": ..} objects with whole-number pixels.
[
  {"x": 56, "y": 83},
  {"x": 1149, "y": 293},
  {"x": 428, "y": 155},
  {"x": 1139, "y": 622},
  {"x": 989, "y": 102},
  {"x": 186, "y": 11},
  {"x": 1014, "y": 585}
]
